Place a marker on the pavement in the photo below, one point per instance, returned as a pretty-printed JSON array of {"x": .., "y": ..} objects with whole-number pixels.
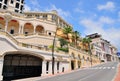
[
  {"x": 103, "y": 72},
  {"x": 117, "y": 77}
]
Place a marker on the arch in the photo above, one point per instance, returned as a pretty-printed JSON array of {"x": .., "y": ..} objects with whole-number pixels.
[
  {"x": 19, "y": 65},
  {"x": 2, "y": 23},
  {"x": 79, "y": 57},
  {"x": 73, "y": 56},
  {"x": 28, "y": 28},
  {"x": 13, "y": 27},
  {"x": 39, "y": 29}
]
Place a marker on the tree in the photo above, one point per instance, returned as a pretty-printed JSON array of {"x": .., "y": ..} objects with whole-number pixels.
[
  {"x": 87, "y": 41},
  {"x": 67, "y": 30},
  {"x": 63, "y": 42},
  {"x": 75, "y": 37}
]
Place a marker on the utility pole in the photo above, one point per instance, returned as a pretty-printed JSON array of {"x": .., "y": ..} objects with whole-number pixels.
[{"x": 53, "y": 58}]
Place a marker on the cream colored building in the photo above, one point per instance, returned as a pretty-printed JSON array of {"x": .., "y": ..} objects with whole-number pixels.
[
  {"x": 25, "y": 40},
  {"x": 103, "y": 49}
]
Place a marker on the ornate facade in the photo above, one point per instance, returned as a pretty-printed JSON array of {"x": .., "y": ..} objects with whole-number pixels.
[{"x": 24, "y": 45}]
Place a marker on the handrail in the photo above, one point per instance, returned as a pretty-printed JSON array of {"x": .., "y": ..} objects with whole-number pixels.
[{"x": 27, "y": 45}]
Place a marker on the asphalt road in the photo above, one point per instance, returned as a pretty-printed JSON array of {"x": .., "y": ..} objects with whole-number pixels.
[{"x": 104, "y": 72}]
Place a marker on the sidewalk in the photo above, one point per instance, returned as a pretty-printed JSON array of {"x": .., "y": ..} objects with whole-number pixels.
[{"x": 117, "y": 77}]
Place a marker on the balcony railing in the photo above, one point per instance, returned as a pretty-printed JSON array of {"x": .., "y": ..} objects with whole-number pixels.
[{"x": 44, "y": 48}]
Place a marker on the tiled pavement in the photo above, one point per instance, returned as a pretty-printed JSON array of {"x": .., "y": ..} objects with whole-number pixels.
[{"x": 117, "y": 77}]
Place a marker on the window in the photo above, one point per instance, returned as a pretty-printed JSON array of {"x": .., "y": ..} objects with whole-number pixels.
[
  {"x": 58, "y": 63},
  {"x": 22, "y": 1},
  {"x": 26, "y": 33},
  {"x": 18, "y": 0},
  {"x": 17, "y": 11},
  {"x": 21, "y": 8},
  {"x": 4, "y": 7},
  {"x": 5, "y": 1},
  {"x": 11, "y": 1},
  {"x": 12, "y": 31},
  {"x": 49, "y": 34},
  {"x": 17, "y": 5},
  {"x": 0, "y": 5},
  {"x": 47, "y": 66}
]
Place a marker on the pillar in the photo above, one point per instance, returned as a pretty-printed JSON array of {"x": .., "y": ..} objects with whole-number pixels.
[
  {"x": 20, "y": 28},
  {"x": 1, "y": 67},
  {"x": 50, "y": 68},
  {"x": 6, "y": 25},
  {"x": 55, "y": 67},
  {"x": 43, "y": 68}
]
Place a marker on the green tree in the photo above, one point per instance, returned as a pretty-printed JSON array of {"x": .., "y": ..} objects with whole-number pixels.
[
  {"x": 67, "y": 30},
  {"x": 75, "y": 37},
  {"x": 63, "y": 42},
  {"x": 88, "y": 40}
]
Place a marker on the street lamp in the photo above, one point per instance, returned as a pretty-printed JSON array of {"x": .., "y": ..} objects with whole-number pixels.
[{"x": 53, "y": 58}]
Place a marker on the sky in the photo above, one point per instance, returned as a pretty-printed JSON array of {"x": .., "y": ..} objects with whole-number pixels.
[{"x": 86, "y": 16}]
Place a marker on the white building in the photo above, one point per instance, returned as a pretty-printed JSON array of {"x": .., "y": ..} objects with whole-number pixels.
[{"x": 12, "y": 5}]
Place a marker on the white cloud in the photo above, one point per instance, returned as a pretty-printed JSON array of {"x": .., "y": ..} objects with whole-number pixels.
[
  {"x": 112, "y": 34},
  {"x": 60, "y": 11},
  {"x": 34, "y": 6},
  {"x": 106, "y": 20},
  {"x": 79, "y": 10},
  {"x": 119, "y": 14},
  {"x": 27, "y": 8},
  {"x": 108, "y": 6}
]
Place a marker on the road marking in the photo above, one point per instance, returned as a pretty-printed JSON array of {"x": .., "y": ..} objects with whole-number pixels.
[{"x": 113, "y": 67}]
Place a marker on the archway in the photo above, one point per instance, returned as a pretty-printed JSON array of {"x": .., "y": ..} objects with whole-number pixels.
[
  {"x": 73, "y": 61},
  {"x": 13, "y": 27},
  {"x": 17, "y": 66},
  {"x": 79, "y": 61},
  {"x": 2, "y": 23},
  {"x": 39, "y": 29},
  {"x": 28, "y": 29}
]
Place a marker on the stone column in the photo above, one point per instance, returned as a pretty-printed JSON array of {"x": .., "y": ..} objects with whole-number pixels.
[
  {"x": 20, "y": 28},
  {"x": 55, "y": 67},
  {"x": 6, "y": 25},
  {"x": 7, "y": 17},
  {"x": 1, "y": 67},
  {"x": 34, "y": 30},
  {"x": 43, "y": 68},
  {"x": 50, "y": 68}
]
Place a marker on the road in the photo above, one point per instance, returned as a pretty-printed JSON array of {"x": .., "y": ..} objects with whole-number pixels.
[{"x": 104, "y": 72}]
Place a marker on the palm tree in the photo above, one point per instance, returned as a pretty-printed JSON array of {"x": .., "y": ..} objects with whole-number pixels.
[
  {"x": 67, "y": 30},
  {"x": 87, "y": 41},
  {"x": 75, "y": 37}
]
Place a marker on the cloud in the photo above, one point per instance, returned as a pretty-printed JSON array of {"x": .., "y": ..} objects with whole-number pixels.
[
  {"x": 79, "y": 10},
  {"x": 61, "y": 12},
  {"x": 27, "y": 8},
  {"x": 108, "y": 6},
  {"x": 33, "y": 6},
  {"x": 106, "y": 20},
  {"x": 112, "y": 34},
  {"x": 119, "y": 14}
]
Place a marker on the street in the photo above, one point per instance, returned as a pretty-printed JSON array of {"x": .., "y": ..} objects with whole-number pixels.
[{"x": 104, "y": 72}]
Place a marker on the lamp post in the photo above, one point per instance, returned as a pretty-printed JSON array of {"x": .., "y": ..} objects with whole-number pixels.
[{"x": 53, "y": 58}]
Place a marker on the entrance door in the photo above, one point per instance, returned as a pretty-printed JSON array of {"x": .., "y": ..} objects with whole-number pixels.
[
  {"x": 72, "y": 65},
  {"x": 21, "y": 66}
]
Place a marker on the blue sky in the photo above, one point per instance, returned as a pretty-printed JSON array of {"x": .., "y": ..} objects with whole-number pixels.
[{"x": 86, "y": 16}]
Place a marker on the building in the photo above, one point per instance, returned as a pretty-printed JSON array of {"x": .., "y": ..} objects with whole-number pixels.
[
  {"x": 25, "y": 41},
  {"x": 12, "y": 5},
  {"x": 103, "y": 48}
]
